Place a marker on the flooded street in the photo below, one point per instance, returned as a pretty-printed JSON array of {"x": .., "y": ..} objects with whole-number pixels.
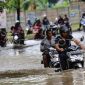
[
  {"x": 23, "y": 67},
  {"x": 75, "y": 77}
]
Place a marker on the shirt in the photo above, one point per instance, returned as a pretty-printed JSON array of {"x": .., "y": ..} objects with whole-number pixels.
[
  {"x": 67, "y": 41},
  {"x": 47, "y": 44}
]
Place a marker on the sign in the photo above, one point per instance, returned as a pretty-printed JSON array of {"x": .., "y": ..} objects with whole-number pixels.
[
  {"x": 74, "y": 12},
  {"x": 3, "y": 19},
  {"x": 32, "y": 16}
]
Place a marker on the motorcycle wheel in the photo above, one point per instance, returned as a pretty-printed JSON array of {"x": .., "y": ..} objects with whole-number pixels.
[{"x": 3, "y": 44}]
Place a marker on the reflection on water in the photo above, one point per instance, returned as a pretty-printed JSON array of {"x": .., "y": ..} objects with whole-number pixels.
[
  {"x": 75, "y": 77},
  {"x": 25, "y": 58}
]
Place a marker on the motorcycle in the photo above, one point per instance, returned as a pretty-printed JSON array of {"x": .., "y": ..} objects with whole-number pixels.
[
  {"x": 18, "y": 39},
  {"x": 54, "y": 59},
  {"x": 3, "y": 38},
  {"x": 75, "y": 57},
  {"x": 83, "y": 24}
]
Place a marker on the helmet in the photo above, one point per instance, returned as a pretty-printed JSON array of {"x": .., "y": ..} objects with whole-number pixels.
[
  {"x": 36, "y": 19},
  {"x": 56, "y": 19},
  {"x": 64, "y": 29},
  {"x": 44, "y": 15}
]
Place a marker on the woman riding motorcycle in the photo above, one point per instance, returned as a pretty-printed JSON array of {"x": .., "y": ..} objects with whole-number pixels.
[
  {"x": 64, "y": 41},
  {"x": 19, "y": 32},
  {"x": 37, "y": 25}
]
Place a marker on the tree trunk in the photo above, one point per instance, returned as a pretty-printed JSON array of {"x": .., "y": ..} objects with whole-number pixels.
[{"x": 18, "y": 10}]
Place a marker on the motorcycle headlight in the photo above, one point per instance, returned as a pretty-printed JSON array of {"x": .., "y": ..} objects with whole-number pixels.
[
  {"x": 27, "y": 29},
  {"x": 15, "y": 37}
]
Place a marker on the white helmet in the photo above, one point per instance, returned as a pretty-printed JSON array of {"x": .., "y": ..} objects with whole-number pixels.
[
  {"x": 17, "y": 21},
  {"x": 44, "y": 15},
  {"x": 56, "y": 19}
]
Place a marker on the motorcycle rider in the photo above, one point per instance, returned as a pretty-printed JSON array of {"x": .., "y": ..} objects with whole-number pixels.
[
  {"x": 45, "y": 22},
  {"x": 60, "y": 21},
  {"x": 47, "y": 42},
  {"x": 56, "y": 21},
  {"x": 29, "y": 26},
  {"x": 19, "y": 31},
  {"x": 37, "y": 25},
  {"x": 57, "y": 25},
  {"x": 66, "y": 22},
  {"x": 64, "y": 41},
  {"x": 82, "y": 21}
]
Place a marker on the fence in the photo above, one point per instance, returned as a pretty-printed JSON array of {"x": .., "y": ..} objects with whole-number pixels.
[{"x": 74, "y": 12}]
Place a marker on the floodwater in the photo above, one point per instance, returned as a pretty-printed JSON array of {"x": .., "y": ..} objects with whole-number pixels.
[{"x": 23, "y": 67}]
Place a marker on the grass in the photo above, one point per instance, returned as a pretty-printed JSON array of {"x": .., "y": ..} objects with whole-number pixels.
[
  {"x": 75, "y": 26},
  {"x": 30, "y": 36},
  {"x": 27, "y": 37}
]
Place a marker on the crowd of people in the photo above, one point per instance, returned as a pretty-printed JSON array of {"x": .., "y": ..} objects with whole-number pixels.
[{"x": 45, "y": 24}]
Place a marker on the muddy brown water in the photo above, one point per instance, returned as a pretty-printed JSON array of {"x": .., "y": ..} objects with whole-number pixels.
[
  {"x": 23, "y": 67},
  {"x": 73, "y": 77}
]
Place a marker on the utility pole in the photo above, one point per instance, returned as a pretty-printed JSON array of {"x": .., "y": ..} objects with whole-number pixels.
[{"x": 18, "y": 10}]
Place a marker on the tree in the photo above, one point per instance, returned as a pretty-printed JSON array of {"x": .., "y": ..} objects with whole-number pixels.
[
  {"x": 17, "y": 5},
  {"x": 53, "y": 1}
]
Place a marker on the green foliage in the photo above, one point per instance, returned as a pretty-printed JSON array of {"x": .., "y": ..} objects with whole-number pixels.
[
  {"x": 12, "y": 4},
  {"x": 41, "y": 4},
  {"x": 2, "y": 4},
  {"x": 64, "y": 4},
  {"x": 24, "y": 4}
]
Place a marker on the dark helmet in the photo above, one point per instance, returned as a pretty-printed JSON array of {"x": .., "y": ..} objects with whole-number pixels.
[{"x": 64, "y": 29}]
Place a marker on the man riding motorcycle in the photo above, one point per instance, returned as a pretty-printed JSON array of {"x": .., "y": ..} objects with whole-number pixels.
[
  {"x": 45, "y": 22},
  {"x": 47, "y": 42},
  {"x": 64, "y": 41},
  {"x": 67, "y": 23},
  {"x": 82, "y": 22}
]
